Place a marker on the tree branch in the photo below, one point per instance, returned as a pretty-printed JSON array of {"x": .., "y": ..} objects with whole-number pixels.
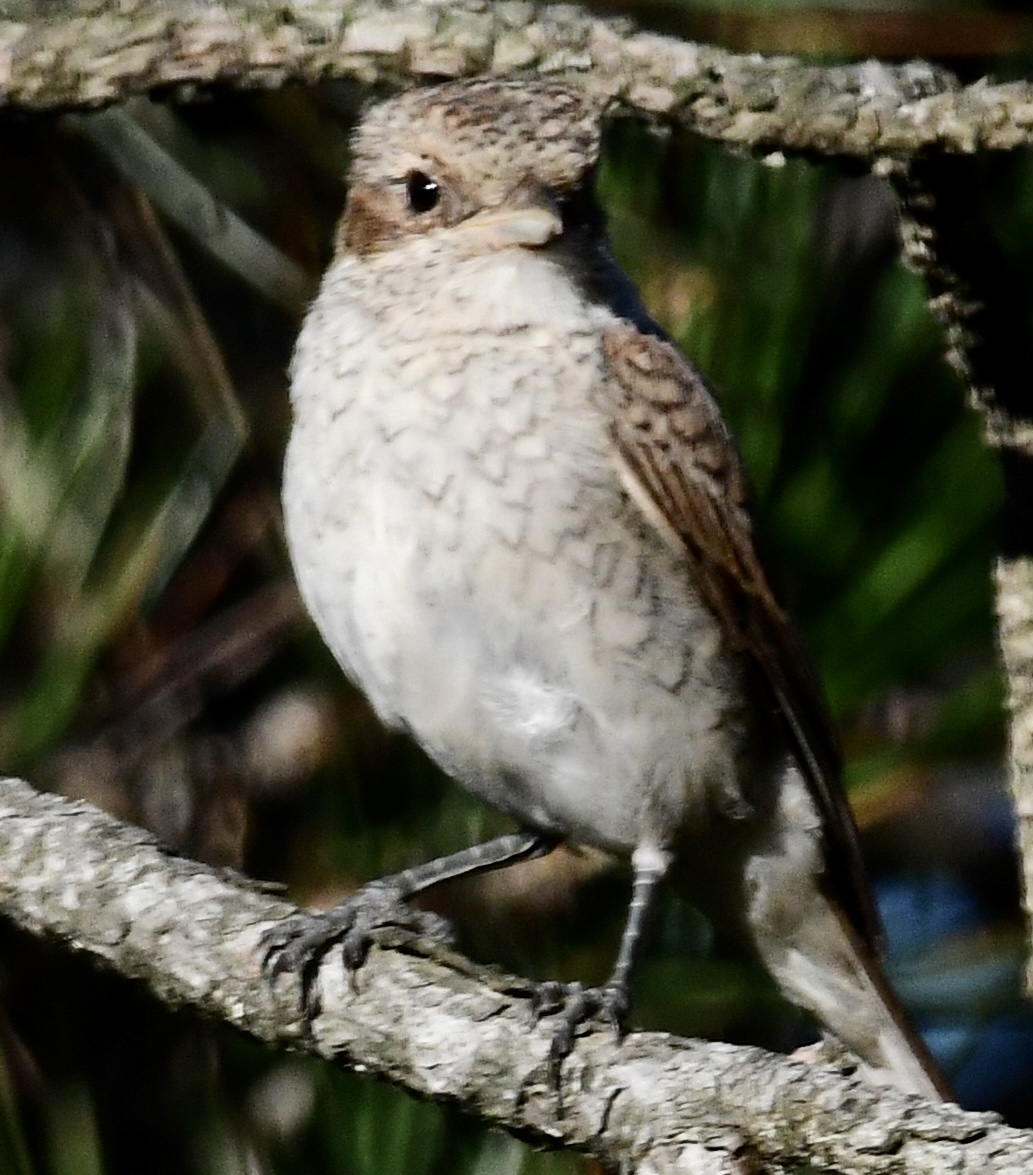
[
  {"x": 763, "y": 104},
  {"x": 447, "y": 1029},
  {"x": 984, "y": 309}
]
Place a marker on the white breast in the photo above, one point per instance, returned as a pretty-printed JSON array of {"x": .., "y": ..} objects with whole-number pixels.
[{"x": 463, "y": 542}]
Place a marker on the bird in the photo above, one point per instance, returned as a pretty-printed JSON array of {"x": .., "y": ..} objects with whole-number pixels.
[{"x": 520, "y": 522}]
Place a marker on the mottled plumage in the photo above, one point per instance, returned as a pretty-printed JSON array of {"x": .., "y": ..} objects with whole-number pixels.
[{"x": 519, "y": 521}]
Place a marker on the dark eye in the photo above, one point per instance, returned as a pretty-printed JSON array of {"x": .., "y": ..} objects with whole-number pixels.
[{"x": 421, "y": 192}]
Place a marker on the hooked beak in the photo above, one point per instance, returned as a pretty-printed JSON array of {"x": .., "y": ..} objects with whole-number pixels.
[{"x": 529, "y": 216}]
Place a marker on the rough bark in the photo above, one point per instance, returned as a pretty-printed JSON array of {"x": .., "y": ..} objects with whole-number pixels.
[
  {"x": 984, "y": 309},
  {"x": 93, "y": 55},
  {"x": 444, "y": 1028},
  {"x": 1013, "y": 580}
]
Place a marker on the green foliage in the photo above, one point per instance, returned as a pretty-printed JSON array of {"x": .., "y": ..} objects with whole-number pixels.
[
  {"x": 871, "y": 479},
  {"x": 14, "y": 1152},
  {"x": 85, "y": 539}
]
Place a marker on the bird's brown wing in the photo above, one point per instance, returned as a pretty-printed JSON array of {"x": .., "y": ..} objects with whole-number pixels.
[{"x": 681, "y": 466}]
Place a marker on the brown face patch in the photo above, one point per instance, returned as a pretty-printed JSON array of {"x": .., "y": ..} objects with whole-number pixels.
[
  {"x": 370, "y": 220},
  {"x": 380, "y": 213}
]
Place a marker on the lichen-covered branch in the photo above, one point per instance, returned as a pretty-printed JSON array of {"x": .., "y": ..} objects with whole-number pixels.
[
  {"x": 984, "y": 309},
  {"x": 444, "y": 1028},
  {"x": 1014, "y": 587},
  {"x": 772, "y": 104}
]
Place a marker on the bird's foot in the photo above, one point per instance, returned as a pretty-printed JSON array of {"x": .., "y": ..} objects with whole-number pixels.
[
  {"x": 299, "y": 943},
  {"x": 573, "y": 1004}
]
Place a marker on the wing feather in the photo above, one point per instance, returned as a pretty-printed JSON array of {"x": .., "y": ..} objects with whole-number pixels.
[{"x": 678, "y": 458}]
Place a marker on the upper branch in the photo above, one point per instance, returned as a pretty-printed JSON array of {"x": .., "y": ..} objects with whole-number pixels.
[
  {"x": 762, "y": 104},
  {"x": 446, "y": 1029}
]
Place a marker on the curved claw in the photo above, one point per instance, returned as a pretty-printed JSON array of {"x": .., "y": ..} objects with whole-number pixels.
[
  {"x": 573, "y": 1004},
  {"x": 299, "y": 942}
]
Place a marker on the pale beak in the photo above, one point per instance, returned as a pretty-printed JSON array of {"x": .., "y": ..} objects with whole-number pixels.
[{"x": 529, "y": 216}]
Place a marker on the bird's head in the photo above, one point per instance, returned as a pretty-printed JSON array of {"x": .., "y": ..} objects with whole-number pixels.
[{"x": 491, "y": 164}]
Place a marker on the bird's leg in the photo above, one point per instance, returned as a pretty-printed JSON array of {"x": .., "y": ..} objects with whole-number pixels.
[
  {"x": 573, "y": 1003},
  {"x": 298, "y": 943}
]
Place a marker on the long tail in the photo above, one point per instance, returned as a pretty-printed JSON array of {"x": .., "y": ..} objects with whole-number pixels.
[
  {"x": 818, "y": 957},
  {"x": 768, "y": 883},
  {"x": 824, "y": 967}
]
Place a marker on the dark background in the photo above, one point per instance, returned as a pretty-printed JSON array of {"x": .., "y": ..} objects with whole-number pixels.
[{"x": 154, "y": 265}]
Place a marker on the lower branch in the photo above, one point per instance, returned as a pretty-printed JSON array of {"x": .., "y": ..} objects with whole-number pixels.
[{"x": 443, "y": 1028}]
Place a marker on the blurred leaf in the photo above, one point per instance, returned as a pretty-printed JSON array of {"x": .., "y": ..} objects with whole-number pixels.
[
  {"x": 191, "y": 204},
  {"x": 14, "y": 1153},
  {"x": 73, "y": 1143}
]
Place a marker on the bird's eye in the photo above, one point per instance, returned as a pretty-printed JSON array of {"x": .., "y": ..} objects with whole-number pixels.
[{"x": 422, "y": 193}]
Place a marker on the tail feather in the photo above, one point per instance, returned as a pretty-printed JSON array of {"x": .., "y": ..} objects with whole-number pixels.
[
  {"x": 838, "y": 979},
  {"x": 815, "y": 953},
  {"x": 773, "y": 887}
]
